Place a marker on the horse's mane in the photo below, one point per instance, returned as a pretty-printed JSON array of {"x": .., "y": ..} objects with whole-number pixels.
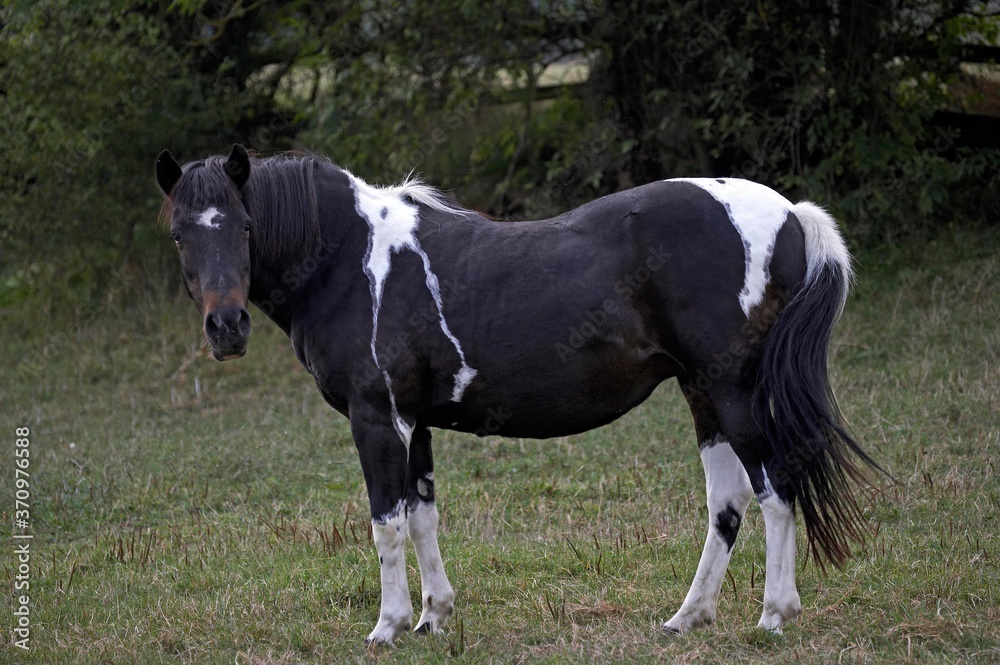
[{"x": 281, "y": 199}]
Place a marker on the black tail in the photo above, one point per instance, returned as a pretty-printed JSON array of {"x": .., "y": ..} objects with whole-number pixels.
[{"x": 815, "y": 458}]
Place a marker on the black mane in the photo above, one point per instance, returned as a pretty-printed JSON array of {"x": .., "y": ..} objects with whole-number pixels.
[{"x": 280, "y": 198}]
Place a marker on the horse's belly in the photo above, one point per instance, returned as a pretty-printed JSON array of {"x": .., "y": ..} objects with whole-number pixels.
[{"x": 543, "y": 401}]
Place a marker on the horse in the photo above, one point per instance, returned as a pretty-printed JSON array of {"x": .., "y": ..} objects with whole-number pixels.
[{"x": 412, "y": 313}]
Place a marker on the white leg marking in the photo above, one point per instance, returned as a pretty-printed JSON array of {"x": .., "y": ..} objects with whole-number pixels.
[
  {"x": 435, "y": 590},
  {"x": 207, "y": 218},
  {"x": 392, "y": 224},
  {"x": 781, "y": 600},
  {"x": 727, "y": 486},
  {"x": 758, "y": 213},
  {"x": 396, "y": 614}
]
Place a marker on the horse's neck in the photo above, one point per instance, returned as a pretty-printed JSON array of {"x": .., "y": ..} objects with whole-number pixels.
[{"x": 277, "y": 284}]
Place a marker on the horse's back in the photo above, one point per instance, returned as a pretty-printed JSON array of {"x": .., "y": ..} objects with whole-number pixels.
[{"x": 595, "y": 306}]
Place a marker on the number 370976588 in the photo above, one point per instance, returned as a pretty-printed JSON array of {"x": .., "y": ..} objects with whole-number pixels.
[{"x": 22, "y": 454}]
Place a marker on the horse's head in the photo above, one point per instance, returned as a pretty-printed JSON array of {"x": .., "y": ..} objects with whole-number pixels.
[{"x": 211, "y": 227}]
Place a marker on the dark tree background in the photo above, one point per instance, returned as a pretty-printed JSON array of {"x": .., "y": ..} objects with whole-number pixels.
[{"x": 886, "y": 112}]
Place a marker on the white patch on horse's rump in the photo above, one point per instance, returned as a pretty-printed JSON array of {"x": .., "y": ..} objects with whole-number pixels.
[
  {"x": 392, "y": 224},
  {"x": 207, "y": 218},
  {"x": 758, "y": 213}
]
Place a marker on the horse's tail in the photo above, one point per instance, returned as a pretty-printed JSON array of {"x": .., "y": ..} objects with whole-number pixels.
[{"x": 815, "y": 458}]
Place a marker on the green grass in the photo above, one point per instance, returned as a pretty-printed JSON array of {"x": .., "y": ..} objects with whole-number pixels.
[{"x": 191, "y": 511}]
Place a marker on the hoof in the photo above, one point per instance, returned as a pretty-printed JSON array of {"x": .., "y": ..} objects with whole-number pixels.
[
  {"x": 682, "y": 624},
  {"x": 385, "y": 633},
  {"x": 776, "y": 615},
  {"x": 437, "y": 609}
]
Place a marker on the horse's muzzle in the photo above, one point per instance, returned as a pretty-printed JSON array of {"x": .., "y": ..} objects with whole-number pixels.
[{"x": 228, "y": 329}]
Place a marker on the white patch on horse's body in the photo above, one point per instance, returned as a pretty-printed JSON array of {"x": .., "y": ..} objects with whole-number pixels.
[
  {"x": 728, "y": 488},
  {"x": 781, "y": 599},
  {"x": 758, "y": 213},
  {"x": 396, "y": 614},
  {"x": 465, "y": 374},
  {"x": 435, "y": 590},
  {"x": 768, "y": 487},
  {"x": 207, "y": 218},
  {"x": 403, "y": 428},
  {"x": 392, "y": 224}
]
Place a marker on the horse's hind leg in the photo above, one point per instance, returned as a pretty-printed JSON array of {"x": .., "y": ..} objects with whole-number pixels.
[
  {"x": 729, "y": 492},
  {"x": 781, "y": 599},
  {"x": 436, "y": 592}
]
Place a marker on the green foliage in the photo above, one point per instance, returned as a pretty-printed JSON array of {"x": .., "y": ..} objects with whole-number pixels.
[
  {"x": 91, "y": 93},
  {"x": 78, "y": 85},
  {"x": 831, "y": 101}
]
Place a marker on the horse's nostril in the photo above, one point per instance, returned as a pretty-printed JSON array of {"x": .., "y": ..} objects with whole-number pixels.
[
  {"x": 244, "y": 325},
  {"x": 213, "y": 324},
  {"x": 227, "y": 321}
]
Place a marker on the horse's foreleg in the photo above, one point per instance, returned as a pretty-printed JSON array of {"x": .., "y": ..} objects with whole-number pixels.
[
  {"x": 436, "y": 592},
  {"x": 384, "y": 459},
  {"x": 729, "y": 493}
]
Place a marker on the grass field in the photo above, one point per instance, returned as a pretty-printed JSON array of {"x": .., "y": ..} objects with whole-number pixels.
[{"x": 189, "y": 511}]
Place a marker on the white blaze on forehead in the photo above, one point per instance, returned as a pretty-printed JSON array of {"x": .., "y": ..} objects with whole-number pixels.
[
  {"x": 392, "y": 224},
  {"x": 207, "y": 218},
  {"x": 758, "y": 213}
]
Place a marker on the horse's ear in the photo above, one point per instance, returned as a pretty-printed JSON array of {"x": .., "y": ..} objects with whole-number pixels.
[
  {"x": 238, "y": 165},
  {"x": 168, "y": 172}
]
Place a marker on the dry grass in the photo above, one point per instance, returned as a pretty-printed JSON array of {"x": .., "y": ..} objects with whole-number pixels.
[{"x": 187, "y": 511}]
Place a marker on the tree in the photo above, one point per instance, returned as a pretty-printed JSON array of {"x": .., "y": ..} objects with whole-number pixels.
[{"x": 829, "y": 100}]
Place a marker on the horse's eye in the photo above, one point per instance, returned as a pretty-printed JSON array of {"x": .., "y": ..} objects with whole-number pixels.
[
  {"x": 177, "y": 238},
  {"x": 246, "y": 228}
]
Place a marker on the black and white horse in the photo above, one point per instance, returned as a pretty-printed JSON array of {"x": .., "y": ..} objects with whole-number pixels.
[{"x": 413, "y": 313}]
